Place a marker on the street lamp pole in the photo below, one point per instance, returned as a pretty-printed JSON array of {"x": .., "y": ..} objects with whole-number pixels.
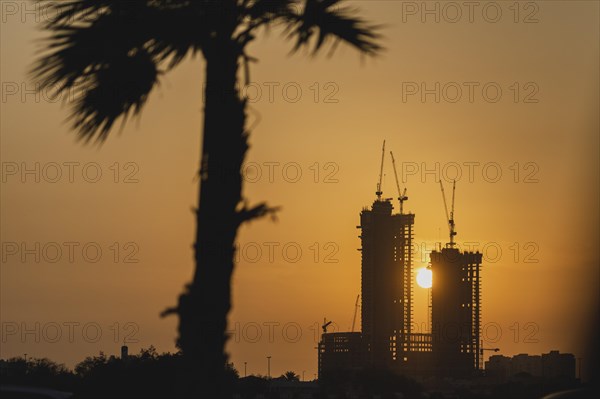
[{"x": 245, "y": 369}]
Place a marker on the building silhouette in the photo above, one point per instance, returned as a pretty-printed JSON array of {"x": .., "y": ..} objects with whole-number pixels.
[
  {"x": 552, "y": 366},
  {"x": 456, "y": 311},
  {"x": 341, "y": 352},
  {"x": 124, "y": 352},
  {"x": 386, "y": 284},
  {"x": 557, "y": 365},
  {"x": 453, "y": 348}
]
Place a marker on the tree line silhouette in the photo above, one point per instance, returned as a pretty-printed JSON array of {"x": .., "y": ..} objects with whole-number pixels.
[{"x": 149, "y": 374}]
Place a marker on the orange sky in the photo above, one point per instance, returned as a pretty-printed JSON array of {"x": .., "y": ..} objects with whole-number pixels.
[{"x": 336, "y": 126}]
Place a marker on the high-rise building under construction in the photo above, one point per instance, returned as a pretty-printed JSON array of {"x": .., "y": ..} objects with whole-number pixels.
[
  {"x": 386, "y": 247},
  {"x": 452, "y": 348},
  {"x": 456, "y": 312},
  {"x": 386, "y": 240}
]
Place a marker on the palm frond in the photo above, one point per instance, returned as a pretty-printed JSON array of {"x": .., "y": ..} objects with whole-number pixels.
[
  {"x": 262, "y": 13},
  {"x": 65, "y": 13},
  {"x": 117, "y": 89},
  {"x": 111, "y": 52},
  {"x": 327, "y": 20},
  {"x": 269, "y": 9}
]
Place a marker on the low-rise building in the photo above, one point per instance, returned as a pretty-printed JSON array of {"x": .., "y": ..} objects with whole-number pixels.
[
  {"x": 341, "y": 351},
  {"x": 549, "y": 366}
]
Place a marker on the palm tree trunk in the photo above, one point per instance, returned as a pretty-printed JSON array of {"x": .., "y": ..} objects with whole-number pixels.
[{"x": 203, "y": 309}]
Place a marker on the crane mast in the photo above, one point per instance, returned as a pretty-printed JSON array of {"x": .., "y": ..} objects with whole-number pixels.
[
  {"x": 401, "y": 195},
  {"x": 355, "y": 312},
  {"x": 452, "y": 210},
  {"x": 379, "y": 192},
  {"x": 449, "y": 216}
]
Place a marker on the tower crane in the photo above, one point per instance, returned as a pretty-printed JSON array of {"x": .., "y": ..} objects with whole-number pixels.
[
  {"x": 489, "y": 349},
  {"x": 379, "y": 192},
  {"x": 355, "y": 312},
  {"x": 401, "y": 194},
  {"x": 449, "y": 217},
  {"x": 325, "y": 325},
  {"x": 482, "y": 349}
]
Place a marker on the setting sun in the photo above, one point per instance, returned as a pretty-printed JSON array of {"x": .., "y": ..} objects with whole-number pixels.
[{"x": 424, "y": 278}]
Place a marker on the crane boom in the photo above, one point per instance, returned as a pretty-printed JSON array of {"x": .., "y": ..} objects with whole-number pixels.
[
  {"x": 379, "y": 192},
  {"x": 444, "y": 198},
  {"x": 395, "y": 172},
  {"x": 449, "y": 217},
  {"x": 401, "y": 195},
  {"x": 355, "y": 312},
  {"x": 325, "y": 325},
  {"x": 453, "y": 191}
]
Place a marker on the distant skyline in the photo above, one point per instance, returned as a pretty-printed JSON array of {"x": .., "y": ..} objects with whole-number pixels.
[{"x": 542, "y": 208}]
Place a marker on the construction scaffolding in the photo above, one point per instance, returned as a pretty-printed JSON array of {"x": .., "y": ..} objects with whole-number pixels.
[
  {"x": 453, "y": 347},
  {"x": 456, "y": 311}
]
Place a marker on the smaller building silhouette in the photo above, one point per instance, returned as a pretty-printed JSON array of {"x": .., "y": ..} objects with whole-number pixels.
[
  {"x": 530, "y": 364},
  {"x": 557, "y": 365},
  {"x": 341, "y": 351},
  {"x": 549, "y": 366}
]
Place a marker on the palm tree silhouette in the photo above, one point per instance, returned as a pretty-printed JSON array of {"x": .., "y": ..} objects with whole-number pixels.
[
  {"x": 114, "y": 52},
  {"x": 290, "y": 376}
]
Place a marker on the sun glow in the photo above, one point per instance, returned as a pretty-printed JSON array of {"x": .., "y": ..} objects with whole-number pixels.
[{"x": 424, "y": 278}]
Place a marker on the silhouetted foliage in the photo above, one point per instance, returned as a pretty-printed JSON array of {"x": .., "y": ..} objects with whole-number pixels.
[
  {"x": 149, "y": 374},
  {"x": 290, "y": 376},
  {"x": 36, "y": 373}
]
